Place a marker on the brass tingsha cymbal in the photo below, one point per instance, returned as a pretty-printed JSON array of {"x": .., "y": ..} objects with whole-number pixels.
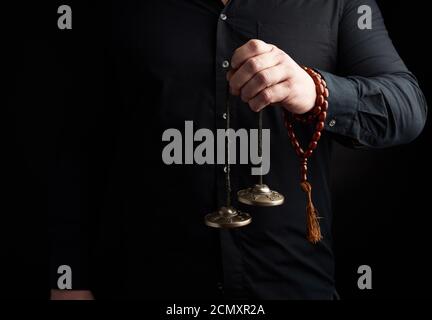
[
  {"x": 260, "y": 195},
  {"x": 227, "y": 218}
]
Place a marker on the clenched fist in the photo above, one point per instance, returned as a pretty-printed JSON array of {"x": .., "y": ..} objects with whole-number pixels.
[{"x": 262, "y": 74}]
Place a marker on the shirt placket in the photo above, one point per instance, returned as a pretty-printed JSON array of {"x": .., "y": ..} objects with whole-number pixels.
[
  {"x": 223, "y": 52},
  {"x": 230, "y": 253}
]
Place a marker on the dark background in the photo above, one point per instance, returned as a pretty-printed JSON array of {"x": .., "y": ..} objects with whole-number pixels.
[{"x": 380, "y": 197}]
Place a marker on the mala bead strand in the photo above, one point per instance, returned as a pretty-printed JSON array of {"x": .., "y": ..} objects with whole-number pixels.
[{"x": 317, "y": 115}]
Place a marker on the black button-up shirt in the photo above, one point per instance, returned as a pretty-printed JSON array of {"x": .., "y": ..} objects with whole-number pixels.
[{"x": 166, "y": 64}]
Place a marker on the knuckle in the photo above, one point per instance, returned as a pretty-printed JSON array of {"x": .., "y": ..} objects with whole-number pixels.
[
  {"x": 248, "y": 93},
  {"x": 253, "y": 65},
  {"x": 244, "y": 94},
  {"x": 244, "y": 97},
  {"x": 266, "y": 96},
  {"x": 263, "y": 78},
  {"x": 236, "y": 87},
  {"x": 283, "y": 57},
  {"x": 254, "y": 45},
  {"x": 253, "y": 105}
]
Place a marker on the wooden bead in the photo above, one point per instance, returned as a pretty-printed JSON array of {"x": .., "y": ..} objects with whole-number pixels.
[
  {"x": 313, "y": 145},
  {"x": 320, "y": 126},
  {"x": 316, "y": 136},
  {"x": 324, "y": 106},
  {"x": 303, "y": 177},
  {"x": 300, "y": 152},
  {"x": 326, "y": 93},
  {"x": 308, "y": 153},
  {"x": 303, "y": 169},
  {"x": 320, "y": 100},
  {"x": 295, "y": 143},
  {"x": 322, "y": 116},
  {"x": 320, "y": 89},
  {"x": 316, "y": 110}
]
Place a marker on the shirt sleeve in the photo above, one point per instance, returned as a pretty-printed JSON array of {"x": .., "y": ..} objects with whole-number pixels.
[{"x": 374, "y": 100}]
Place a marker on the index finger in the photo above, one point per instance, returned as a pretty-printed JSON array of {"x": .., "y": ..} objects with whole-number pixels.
[{"x": 251, "y": 49}]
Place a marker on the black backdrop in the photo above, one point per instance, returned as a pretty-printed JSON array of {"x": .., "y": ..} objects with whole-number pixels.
[{"x": 380, "y": 197}]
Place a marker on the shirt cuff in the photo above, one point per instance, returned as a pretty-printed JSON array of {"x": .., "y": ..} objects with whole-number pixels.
[{"x": 343, "y": 108}]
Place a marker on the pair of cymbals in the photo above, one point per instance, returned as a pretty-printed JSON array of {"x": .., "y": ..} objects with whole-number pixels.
[{"x": 259, "y": 195}]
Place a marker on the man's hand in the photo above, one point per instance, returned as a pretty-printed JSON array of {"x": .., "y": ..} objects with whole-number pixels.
[
  {"x": 71, "y": 295},
  {"x": 262, "y": 74}
]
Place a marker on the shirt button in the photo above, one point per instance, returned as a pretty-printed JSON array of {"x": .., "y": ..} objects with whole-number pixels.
[
  {"x": 332, "y": 123},
  {"x": 223, "y": 17},
  {"x": 220, "y": 286},
  {"x": 224, "y": 116},
  {"x": 225, "y": 64}
]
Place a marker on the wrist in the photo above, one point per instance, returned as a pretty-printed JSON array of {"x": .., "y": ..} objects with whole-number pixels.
[
  {"x": 310, "y": 93},
  {"x": 320, "y": 106}
]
